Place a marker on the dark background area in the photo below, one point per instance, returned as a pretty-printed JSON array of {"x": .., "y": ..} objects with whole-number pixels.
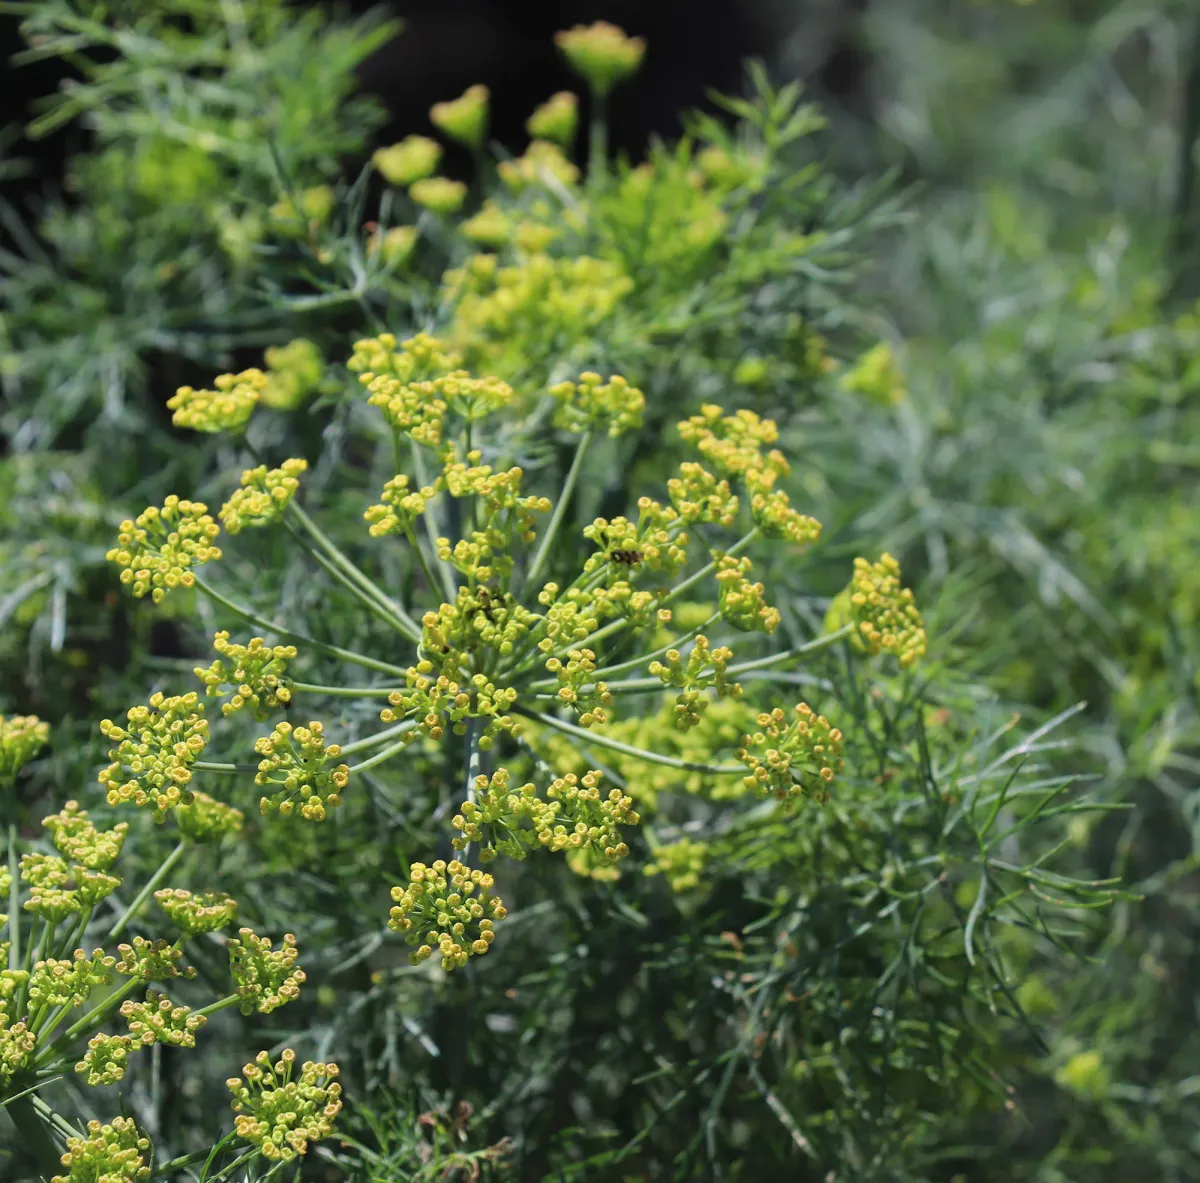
[{"x": 447, "y": 45}]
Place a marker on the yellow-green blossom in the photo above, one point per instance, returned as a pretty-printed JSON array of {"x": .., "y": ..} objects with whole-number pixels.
[
  {"x": 157, "y": 551},
  {"x": 399, "y": 507},
  {"x": 542, "y": 163},
  {"x": 55, "y": 983},
  {"x": 787, "y": 759},
  {"x": 885, "y": 616},
  {"x": 228, "y": 408},
  {"x": 106, "y": 1059},
  {"x": 465, "y": 118},
  {"x": 394, "y": 245},
  {"x": 555, "y": 120},
  {"x": 252, "y": 675},
  {"x": 601, "y": 53},
  {"x": 264, "y": 978},
  {"x": 204, "y": 819},
  {"x": 439, "y": 195},
  {"x": 282, "y": 1115},
  {"x": 263, "y": 496},
  {"x": 591, "y": 404},
  {"x": 21, "y": 737},
  {"x": 298, "y": 761},
  {"x": 116, "y": 1153},
  {"x": 199, "y": 912},
  {"x": 681, "y": 863},
  {"x": 446, "y": 908},
  {"x": 294, "y": 371},
  {"x": 153, "y": 960},
  {"x": 158, "y": 1020},
  {"x": 412, "y": 159},
  {"x": 490, "y": 226},
  {"x": 155, "y": 752},
  {"x": 876, "y": 376}
]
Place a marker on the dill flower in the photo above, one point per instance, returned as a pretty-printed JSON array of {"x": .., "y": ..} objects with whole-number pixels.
[
  {"x": 314, "y": 206},
  {"x": 116, "y": 1153},
  {"x": 394, "y": 245},
  {"x": 542, "y": 163},
  {"x": 153, "y": 961},
  {"x": 876, "y": 376},
  {"x": 78, "y": 840},
  {"x": 21, "y": 737},
  {"x": 742, "y": 603},
  {"x": 883, "y": 611},
  {"x": 282, "y": 1115},
  {"x": 204, "y": 819},
  {"x": 704, "y": 669},
  {"x": 158, "y": 1020},
  {"x": 555, "y": 120},
  {"x": 106, "y": 1059},
  {"x": 49, "y": 896},
  {"x": 412, "y": 159},
  {"x": 157, "y": 550},
  {"x": 439, "y": 195},
  {"x": 440, "y": 909},
  {"x": 465, "y": 118},
  {"x": 591, "y": 404},
  {"x": 17, "y": 1044},
  {"x": 294, "y": 371},
  {"x": 264, "y": 978},
  {"x": 398, "y": 508},
  {"x": 681, "y": 863},
  {"x": 228, "y": 408},
  {"x": 263, "y": 496},
  {"x": 196, "y": 913},
  {"x": 490, "y": 226},
  {"x": 297, "y": 759},
  {"x": 56, "y": 983},
  {"x": 786, "y": 759},
  {"x": 252, "y": 675},
  {"x": 602, "y": 54},
  {"x": 154, "y": 753}
]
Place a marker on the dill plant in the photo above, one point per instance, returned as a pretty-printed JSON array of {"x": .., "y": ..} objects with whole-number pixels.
[{"x": 795, "y": 844}]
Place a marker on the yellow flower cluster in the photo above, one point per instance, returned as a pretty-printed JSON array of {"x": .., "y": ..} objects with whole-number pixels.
[
  {"x": 115, "y": 1153},
  {"x": 742, "y": 603},
  {"x": 228, "y": 408},
  {"x": 153, "y": 961},
  {"x": 158, "y": 1020},
  {"x": 578, "y": 687},
  {"x": 412, "y": 159},
  {"x": 655, "y": 543},
  {"x": 704, "y": 669},
  {"x": 55, "y": 983},
  {"x": 204, "y": 819},
  {"x": 876, "y": 376},
  {"x": 680, "y": 863},
  {"x": 601, "y": 53},
  {"x": 440, "y": 909},
  {"x": 399, "y": 508},
  {"x": 591, "y": 404},
  {"x": 787, "y": 759},
  {"x": 263, "y": 496},
  {"x": 157, "y": 550},
  {"x": 264, "y": 978},
  {"x": 294, "y": 371},
  {"x": 21, "y": 737},
  {"x": 699, "y": 496},
  {"x": 196, "y": 913},
  {"x": 154, "y": 753},
  {"x": 17, "y": 1042},
  {"x": 420, "y": 357},
  {"x": 254, "y": 673},
  {"x": 883, "y": 611},
  {"x": 297, "y": 759},
  {"x": 555, "y": 120},
  {"x": 106, "y": 1059},
  {"x": 281, "y": 1115},
  {"x": 542, "y": 163},
  {"x": 49, "y": 894},
  {"x": 78, "y": 840},
  {"x": 465, "y": 118},
  {"x": 439, "y": 195}
]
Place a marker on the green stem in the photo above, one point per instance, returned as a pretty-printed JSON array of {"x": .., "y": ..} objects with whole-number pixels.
[
  {"x": 342, "y": 691},
  {"x": 361, "y": 745},
  {"x": 368, "y": 601},
  {"x": 474, "y": 759},
  {"x": 449, "y": 583},
  {"x": 355, "y": 574},
  {"x": 560, "y": 509},
  {"x": 369, "y": 663},
  {"x": 625, "y": 749},
  {"x": 96, "y": 1014},
  {"x": 415, "y": 543},
  {"x": 739, "y": 546},
  {"x": 598, "y": 139},
  {"x": 221, "y": 1004},
  {"x": 142, "y": 896},
  {"x": 762, "y": 663},
  {"x": 209, "y": 766},
  {"x": 380, "y": 757},
  {"x": 14, "y": 900},
  {"x": 35, "y": 1130}
]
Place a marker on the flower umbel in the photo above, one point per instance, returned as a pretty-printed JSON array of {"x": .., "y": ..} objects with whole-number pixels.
[
  {"x": 297, "y": 759},
  {"x": 282, "y": 1115},
  {"x": 157, "y": 550},
  {"x": 228, "y": 408},
  {"x": 446, "y": 908},
  {"x": 116, "y": 1153}
]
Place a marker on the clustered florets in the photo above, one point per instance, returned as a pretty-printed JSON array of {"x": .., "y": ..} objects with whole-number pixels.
[
  {"x": 154, "y": 960},
  {"x": 885, "y": 616},
  {"x": 196, "y": 913},
  {"x": 298, "y": 760},
  {"x": 601, "y": 53},
  {"x": 591, "y": 404},
  {"x": 21, "y": 737},
  {"x": 158, "y": 1020},
  {"x": 263, "y": 496},
  {"x": 204, "y": 819},
  {"x": 228, "y": 408},
  {"x": 703, "y": 669},
  {"x": 157, "y": 551},
  {"x": 116, "y": 1153},
  {"x": 154, "y": 753},
  {"x": 412, "y": 159},
  {"x": 251, "y": 675},
  {"x": 441, "y": 907},
  {"x": 465, "y": 118},
  {"x": 264, "y": 978},
  {"x": 573, "y": 815},
  {"x": 803, "y": 756},
  {"x": 280, "y": 1115}
]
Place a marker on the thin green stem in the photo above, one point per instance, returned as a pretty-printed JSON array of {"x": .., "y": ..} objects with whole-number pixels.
[
  {"x": 602, "y": 741},
  {"x": 380, "y": 757},
  {"x": 415, "y": 543},
  {"x": 220, "y": 1005},
  {"x": 209, "y": 766},
  {"x": 14, "y": 900},
  {"x": 347, "y": 655},
  {"x": 598, "y": 139},
  {"x": 361, "y": 745},
  {"x": 449, "y": 584},
  {"x": 355, "y": 574},
  {"x": 36, "y": 1133},
  {"x": 93, "y": 1016},
  {"x": 691, "y": 581},
  {"x": 560, "y": 510},
  {"x": 474, "y": 757},
  {"x": 142, "y": 896},
  {"x": 762, "y": 663},
  {"x": 342, "y": 691}
]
